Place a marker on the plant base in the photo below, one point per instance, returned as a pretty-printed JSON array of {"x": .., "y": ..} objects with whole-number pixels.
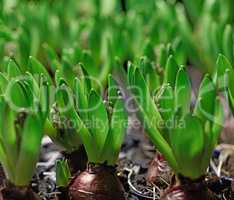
[
  {"x": 77, "y": 160},
  {"x": 158, "y": 167},
  {"x": 17, "y": 193},
  {"x": 186, "y": 189},
  {"x": 97, "y": 183}
]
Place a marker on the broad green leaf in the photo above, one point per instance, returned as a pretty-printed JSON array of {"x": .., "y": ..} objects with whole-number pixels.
[
  {"x": 112, "y": 90},
  {"x": 81, "y": 97},
  {"x": 119, "y": 122},
  {"x": 171, "y": 71},
  {"x": 188, "y": 144},
  {"x": 150, "y": 74},
  {"x": 222, "y": 65},
  {"x": 228, "y": 43},
  {"x": 183, "y": 91},
  {"x": 99, "y": 121},
  {"x": 52, "y": 57},
  {"x": 157, "y": 139},
  {"x": 8, "y": 137},
  {"x": 89, "y": 64},
  {"x": 205, "y": 104},
  {"x": 17, "y": 95},
  {"x": 165, "y": 100},
  {"x": 87, "y": 139},
  {"x": 13, "y": 70},
  {"x": 36, "y": 68},
  {"x": 68, "y": 72},
  {"x": 143, "y": 98},
  {"x": 29, "y": 150},
  {"x": 213, "y": 133},
  {"x": 85, "y": 76},
  {"x": 68, "y": 133}
]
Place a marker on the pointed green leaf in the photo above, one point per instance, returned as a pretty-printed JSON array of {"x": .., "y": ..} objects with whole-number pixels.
[
  {"x": 17, "y": 95},
  {"x": 150, "y": 75},
  {"x": 116, "y": 134},
  {"x": 36, "y": 68},
  {"x": 99, "y": 121},
  {"x": 188, "y": 145},
  {"x": 204, "y": 108},
  {"x": 29, "y": 150},
  {"x": 228, "y": 42},
  {"x": 183, "y": 91},
  {"x": 222, "y": 65},
  {"x": 171, "y": 71},
  {"x": 13, "y": 69},
  {"x": 165, "y": 100},
  {"x": 81, "y": 97},
  {"x": 112, "y": 90}
]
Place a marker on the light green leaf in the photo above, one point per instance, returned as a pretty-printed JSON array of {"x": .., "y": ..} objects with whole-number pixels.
[
  {"x": 171, "y": 71},
  {"x": 204, "y": 108},
  {"x": 99, "y": 121},
  {"x": 228, "y": 42},
  {"x": 188, "y": 145},
  {"x": 116, "y": 133},
  {"x": 12, "y": 69},
  {"x": 36, "y": 68},
  {"x": 29, "y": 150},
  {"x": 165, "y": 100},
  {"x": 222, "y": 65},
  {"x": 183, "y": 90}
]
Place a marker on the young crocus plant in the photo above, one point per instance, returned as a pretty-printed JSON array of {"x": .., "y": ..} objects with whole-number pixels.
[
  {"x": 101, "y": 127},
  {"x": 185, "y": 138},
  {"x": 22, "y": 115}
]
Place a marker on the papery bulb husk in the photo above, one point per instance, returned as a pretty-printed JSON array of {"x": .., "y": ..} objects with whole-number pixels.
[
  {"x": 158, "y": 167},
  {"x": 187, "y": 189},
  {"x": 11, "y": 192},
  {"x": 77, "y": 160},
  {"x": 97, "y": 183}
]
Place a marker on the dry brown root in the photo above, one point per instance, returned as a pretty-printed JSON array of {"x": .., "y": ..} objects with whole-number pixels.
[
  {"x": 97, "y": 183},
  {"x": 77, "y": 160},
  {"x": 186, "y": 189},
  {"x": 158, "y": 167},
  {"x": 11, "y": 192}
]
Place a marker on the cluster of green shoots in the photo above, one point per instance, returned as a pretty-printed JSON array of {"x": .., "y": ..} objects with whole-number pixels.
[
  {"x": 187, "y": 144},
  {"x": 23, "y": 111},
  {"x": 99, "y": 125},
  {"x": 28, "y": 98}
]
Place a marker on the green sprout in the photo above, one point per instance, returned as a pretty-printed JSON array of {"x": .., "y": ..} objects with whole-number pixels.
[
  {"x": 22, "y": 113},
  {"x": 188, "y": 144},
  {"x": 99, "y": 128}
]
